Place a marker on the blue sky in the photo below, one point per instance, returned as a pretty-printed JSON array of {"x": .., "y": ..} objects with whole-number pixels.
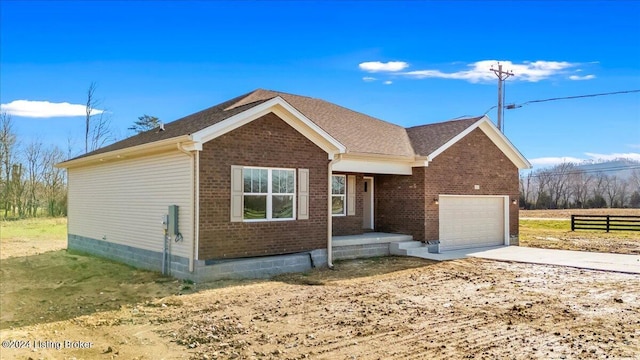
[{"x": 409, "y": 63}]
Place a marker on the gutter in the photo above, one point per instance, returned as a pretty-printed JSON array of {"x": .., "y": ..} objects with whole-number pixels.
[{"x": 133, "y": 151}]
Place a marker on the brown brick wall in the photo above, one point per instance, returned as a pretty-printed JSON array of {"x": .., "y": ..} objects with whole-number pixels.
[
  {"x": 474, "y": 160},
  {"x": 399, "y": 203},
  {"x": 351, "y": 224},
  {"x": 405, "y": 204},
  {"x": 266, "y": 142}
]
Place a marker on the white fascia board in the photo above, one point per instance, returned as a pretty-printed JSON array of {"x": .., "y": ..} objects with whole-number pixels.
[
  {"x": 287, "y": 113},
  {"x": 133, "y": 151},
  {"x": 486, "y": 125}
]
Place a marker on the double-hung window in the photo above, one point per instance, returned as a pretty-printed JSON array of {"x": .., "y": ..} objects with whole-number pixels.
[
  {"x": 269, "y": 194},
  {"x": 338, "y": 195}
]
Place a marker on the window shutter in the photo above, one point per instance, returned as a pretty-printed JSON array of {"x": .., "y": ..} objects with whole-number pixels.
[
  {"x": 237, "y": 193},
  {"x": 351, "y": 195},
  {"x": 303, "y": 194}
]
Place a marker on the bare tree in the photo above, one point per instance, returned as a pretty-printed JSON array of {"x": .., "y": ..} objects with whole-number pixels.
[
  {"x": 612, "y": 189},
  {"x": 101, "y": 133},
  {"x": 53, "y": 181},
  {"x": 89, "y": 109},
  {"x": 542, "y": 195},
  {"x": 558, "y": 184},
  {"x": 579, "y": 182},
  {"x": 635, "y": 179},
  {"x": 7, "y": 147},
  {"x": 624, "y": 192},
  {"x": 598, "y": 188},
  {"x": 33, "y": 155},
  {"x": 17, "y": 190},
  {"x": 97, "y": 122}
]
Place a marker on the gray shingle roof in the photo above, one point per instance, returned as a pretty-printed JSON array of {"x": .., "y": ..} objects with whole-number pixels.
[
  {"x": 426, "y": 139},
  {"x": 358, "y": 132}
]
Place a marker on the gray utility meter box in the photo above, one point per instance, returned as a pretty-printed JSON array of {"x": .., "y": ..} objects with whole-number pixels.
[{"x": 173, "y": 220}]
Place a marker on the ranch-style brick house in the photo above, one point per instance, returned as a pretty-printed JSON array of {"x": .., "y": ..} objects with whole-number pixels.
[{"x": 271, "y": 182}]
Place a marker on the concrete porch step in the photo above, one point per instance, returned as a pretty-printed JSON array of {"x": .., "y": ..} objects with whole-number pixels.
[
  {"x": 369, "y": 238},
  {"x": 422, "y": 252},
  {"x": 404, "y": 247}
]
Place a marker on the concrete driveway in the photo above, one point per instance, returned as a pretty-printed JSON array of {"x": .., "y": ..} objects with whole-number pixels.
[{"x": 578, "y": 259}]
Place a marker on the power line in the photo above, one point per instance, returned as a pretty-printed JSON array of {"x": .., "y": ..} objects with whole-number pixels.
[{"x": 515, "y": 106}]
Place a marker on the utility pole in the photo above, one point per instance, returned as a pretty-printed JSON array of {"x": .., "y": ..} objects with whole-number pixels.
[{"x": 502, "y": 76}]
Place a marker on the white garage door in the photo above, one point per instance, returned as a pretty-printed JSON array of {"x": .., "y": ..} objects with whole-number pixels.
[{"x": 471, "y": 221}]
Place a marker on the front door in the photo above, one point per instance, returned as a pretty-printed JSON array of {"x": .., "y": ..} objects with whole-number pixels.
[{"x": 367, "y": 208}]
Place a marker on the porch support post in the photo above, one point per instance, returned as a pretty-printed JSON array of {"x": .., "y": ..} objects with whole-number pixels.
[{"x": 330, "y": 213}]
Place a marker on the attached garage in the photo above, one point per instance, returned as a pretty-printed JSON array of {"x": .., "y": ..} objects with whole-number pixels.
[{"x": 473, "y": 221}]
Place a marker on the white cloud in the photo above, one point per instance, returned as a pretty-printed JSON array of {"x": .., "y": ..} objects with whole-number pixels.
[
  {"x": 45, "y": 109},
  {"x": 377, "y": 66},
  {"x": 551, "y": 161},
  {"x": 388, "y": 82},
  {"x": 480, "y": 71},
  {"x": 614, "y": 156},
  {"x": 368, "y": 79},
  {"x": 586, "y": 77}
]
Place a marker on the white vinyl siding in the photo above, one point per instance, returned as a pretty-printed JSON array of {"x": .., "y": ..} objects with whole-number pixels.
[
  {"x": 472, "y": 221},
  {"x": 123, "y": 202}
]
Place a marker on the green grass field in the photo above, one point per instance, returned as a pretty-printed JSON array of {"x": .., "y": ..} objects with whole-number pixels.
[
  {"x": 34, "y": 229},
  {"x": 562, "y": 228},
  {"x": 557, "y": 234}
]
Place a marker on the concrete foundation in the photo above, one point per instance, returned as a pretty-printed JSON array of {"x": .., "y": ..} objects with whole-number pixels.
[
  {"x": 204, "y": 270},
  {"x": 344, "y": 248}
]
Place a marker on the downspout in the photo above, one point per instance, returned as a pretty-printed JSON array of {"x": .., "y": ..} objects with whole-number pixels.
[
  {"x": 194, "y": 187},
  {"x": 196, "y": 213},
  {"x": 330, "y": 212}
]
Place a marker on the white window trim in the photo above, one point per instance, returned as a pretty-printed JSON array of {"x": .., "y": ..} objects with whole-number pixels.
[
  {"x": 344, "y": 196},
  {"x": 270, "y": 195}
]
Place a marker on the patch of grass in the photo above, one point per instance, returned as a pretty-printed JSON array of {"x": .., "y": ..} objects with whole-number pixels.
[
  {"x": 561, "y": 229},
  {"x": 557, "y": 234},
  {"x": 57, "y": 286},
  {"x": 557, "y": 225},
  {"x": 34, "y": 229}
]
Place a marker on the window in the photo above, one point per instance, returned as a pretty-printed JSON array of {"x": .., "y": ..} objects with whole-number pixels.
[
  {"x": 268, "y": 194},
  {"x": 338, "y": 194}
]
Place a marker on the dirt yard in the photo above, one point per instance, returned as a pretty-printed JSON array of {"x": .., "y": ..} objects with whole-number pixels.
[{"x": 382, "y": 308}]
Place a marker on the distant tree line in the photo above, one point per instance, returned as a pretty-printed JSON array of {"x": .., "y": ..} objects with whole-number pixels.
[
  {"x": 568, "y": 185},
  {"x": 30, "y": 184}
]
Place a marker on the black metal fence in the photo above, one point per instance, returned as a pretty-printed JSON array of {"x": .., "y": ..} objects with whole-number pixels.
[{"x": 605, "y": 222}]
